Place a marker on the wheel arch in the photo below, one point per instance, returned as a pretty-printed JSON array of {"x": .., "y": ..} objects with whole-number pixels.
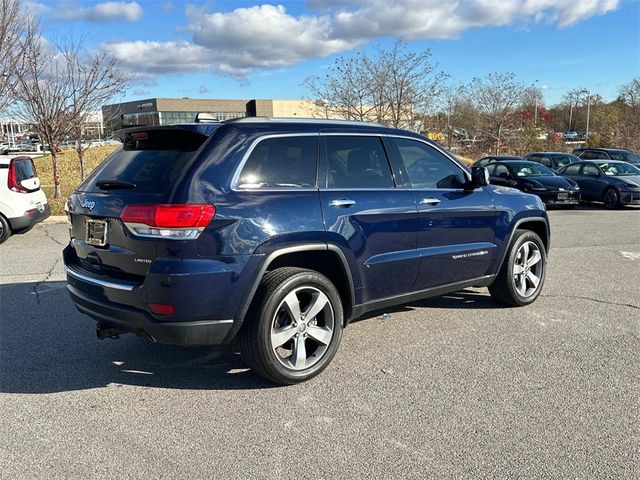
[
  {"x": 537, "y": 225},
  {"x": 325, "y": 259}
]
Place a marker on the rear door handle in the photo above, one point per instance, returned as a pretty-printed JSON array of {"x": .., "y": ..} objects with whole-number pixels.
[
  {"x": 429, "y": 201},
  {"x": 342, "y": 203}
]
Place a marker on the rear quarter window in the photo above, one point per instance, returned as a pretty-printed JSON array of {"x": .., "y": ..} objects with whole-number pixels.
[
  {"x": 281, "y": 162},
  {"x": 25, "y": 169}
]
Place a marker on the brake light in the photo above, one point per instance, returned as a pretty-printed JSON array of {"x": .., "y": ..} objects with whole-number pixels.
[
  {"x": 12, "y": 179},
  {"x": 167, "y": 220}
]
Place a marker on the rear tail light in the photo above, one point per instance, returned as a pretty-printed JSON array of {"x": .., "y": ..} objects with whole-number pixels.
[
  {"x": 12, "y": 179},
  {"x": 167, "y": 221}
]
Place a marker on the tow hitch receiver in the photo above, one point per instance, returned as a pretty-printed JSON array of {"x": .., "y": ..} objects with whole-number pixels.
[{"x": 108, "y": 332}]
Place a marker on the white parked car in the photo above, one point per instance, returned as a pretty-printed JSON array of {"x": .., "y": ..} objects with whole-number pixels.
[{"x": 22, "y": 202}]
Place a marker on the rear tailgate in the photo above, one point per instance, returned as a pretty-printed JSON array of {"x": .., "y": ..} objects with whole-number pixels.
[{"x": 146, "y": 170}]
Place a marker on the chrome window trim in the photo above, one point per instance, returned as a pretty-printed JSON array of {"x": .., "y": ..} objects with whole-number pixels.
[
  {"x": 247, "y": 154},
  {"x": 254, "y": 144}
]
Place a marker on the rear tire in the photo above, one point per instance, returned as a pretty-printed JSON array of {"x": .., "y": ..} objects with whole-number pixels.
[
  {"x": 522, "y": 275},
  {"x": 294, "y": 326},
  {"x": 5, "y": 230}
]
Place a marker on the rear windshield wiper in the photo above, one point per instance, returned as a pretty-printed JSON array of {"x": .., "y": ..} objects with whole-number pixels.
[{"x": 114, "y": 184}]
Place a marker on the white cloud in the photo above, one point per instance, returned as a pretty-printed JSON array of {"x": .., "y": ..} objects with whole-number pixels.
[
  {"x": 101, "y": 12},
  {"x": 266, "y": 36},
  {"x": 161, "y": 57}
]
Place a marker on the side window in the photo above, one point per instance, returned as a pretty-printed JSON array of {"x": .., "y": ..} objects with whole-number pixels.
[
  {"x": 354, "y": 162},
  {"x": 590, "y": 171},
  {"x": 426, "y": 167},
  {"x": 546, "y": 161},
  {"x": 502, "y": 171},
  {"x": 592, "y": 154},
  {"x": 573, "y": 169},
  {"x": 490, "y": 169},
  {"x": 283, "y": 162}
]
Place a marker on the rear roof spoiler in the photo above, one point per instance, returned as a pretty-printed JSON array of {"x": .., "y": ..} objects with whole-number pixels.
[{"x": 204, "y": 129}]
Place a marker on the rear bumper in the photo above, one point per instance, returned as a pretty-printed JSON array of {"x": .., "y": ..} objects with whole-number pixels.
[
  {"x": 204, "y": 332},
  {"x": 27, "y": 221}
]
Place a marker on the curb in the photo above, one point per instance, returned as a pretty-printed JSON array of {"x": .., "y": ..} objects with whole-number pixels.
[{"x": 55, "y": 219}]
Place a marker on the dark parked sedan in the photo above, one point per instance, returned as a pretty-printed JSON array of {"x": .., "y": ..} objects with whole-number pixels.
[
  {"x": 531, "y": 177},
  {"x": 611, "y": 182},
  {"x": 484, "y": 161},
  {"x": 608, "y": 154},
  {"x": 553, "y": 160}
]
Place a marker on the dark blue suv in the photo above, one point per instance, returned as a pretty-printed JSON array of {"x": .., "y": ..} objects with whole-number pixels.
[{"x": 279, "y": 232}]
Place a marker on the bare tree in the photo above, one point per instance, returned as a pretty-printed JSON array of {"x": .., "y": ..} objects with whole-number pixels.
[
  {"x": 93, "y": 82},
  {"x": 408, "y": 83},
  {"x": 346, "y": 91},
  {"x": 18, "y": 35},
  {"x": 630, "y": 118},
  {"x": 392, "y": 86},
  {"x": 44, "y": 97},
  {"x": 496, "y": 97},
  {"x": 57, "y": 91}
]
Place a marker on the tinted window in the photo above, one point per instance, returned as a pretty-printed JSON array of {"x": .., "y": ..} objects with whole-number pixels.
[
  {"x": 490, "y": 169},
  {"x": 427, "y": 167},
  {"x": 502, "y": 171},
  {"x": 573, "y": 169},
  {"x": 24, "y": 169},
  {"x": 562, "y": 160},
  {"x": 285, "y": 162},
  {"x": 152, "y": 160},
  {"x": 591, "y": 154},
  {"x": 546, "y": 161},
  {"x": 354, "y": 162},
  {"x": 624, "y": 156},
  {"x": 619, "y": 169},
  {"x": 590, "y": 171},
  {"x": 530, "y": 170}
]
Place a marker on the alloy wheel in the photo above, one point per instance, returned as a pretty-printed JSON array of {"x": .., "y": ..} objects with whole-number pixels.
[
  {"x": 302, "y": 328},
  {"x": 528, "y": 269},
  {"x": 610, "y": 198}
]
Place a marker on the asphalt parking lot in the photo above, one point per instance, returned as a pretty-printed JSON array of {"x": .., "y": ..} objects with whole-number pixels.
[{"x": 449, "y": 387}]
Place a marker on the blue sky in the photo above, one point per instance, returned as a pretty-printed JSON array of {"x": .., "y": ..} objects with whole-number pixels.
[{"x": 244, "y": 49}]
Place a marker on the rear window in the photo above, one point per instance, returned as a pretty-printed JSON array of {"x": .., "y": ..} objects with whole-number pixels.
[
  {"x": 152, "y": 161},
  {"x": 24, "y": 168}
]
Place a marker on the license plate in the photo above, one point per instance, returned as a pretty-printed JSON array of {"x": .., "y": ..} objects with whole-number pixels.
[
  {"x": 97, "y": 232},
  {"x": 563, "y": 196},
  {"x": 40, "y": 207}
]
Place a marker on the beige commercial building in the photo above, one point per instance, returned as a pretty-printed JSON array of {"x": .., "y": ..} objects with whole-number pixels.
[{"x": 165, "y": 111}]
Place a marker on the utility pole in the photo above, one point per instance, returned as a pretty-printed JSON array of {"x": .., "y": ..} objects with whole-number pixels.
[{"x": 588, "y": 112}]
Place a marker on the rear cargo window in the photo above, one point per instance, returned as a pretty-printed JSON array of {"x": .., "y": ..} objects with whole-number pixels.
[
  {"x": 24, "y": 169},
  {"x": 151, "y": 161}
]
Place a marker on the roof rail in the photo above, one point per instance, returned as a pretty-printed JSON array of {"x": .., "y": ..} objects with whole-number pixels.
[{"x": 301, "y": 120}]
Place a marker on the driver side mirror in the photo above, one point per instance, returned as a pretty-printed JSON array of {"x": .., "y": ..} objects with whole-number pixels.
[{"x": 479, "y": 177}]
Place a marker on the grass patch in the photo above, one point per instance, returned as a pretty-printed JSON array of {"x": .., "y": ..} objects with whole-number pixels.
[{"x": 69, "y": 168}]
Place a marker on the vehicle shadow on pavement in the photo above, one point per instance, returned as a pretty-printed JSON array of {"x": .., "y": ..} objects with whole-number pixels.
[{"x": 47, "y": 346}]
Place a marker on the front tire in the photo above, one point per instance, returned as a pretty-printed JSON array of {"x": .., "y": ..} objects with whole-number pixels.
[
  {"x": 522, "y": 275},
  {"x": 610, "y": 198},
  {"x": 294, "y": 326},
  {"x": 5, "y": 230}
]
